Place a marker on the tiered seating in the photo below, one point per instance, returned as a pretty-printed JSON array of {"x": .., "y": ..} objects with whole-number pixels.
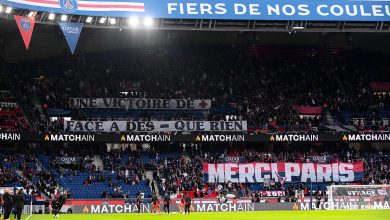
[
  {"x": 9, "y": 177},
  {"x": 12, "y": 119},
  {"x": 75, "y": 182},
  {"x": 11, "y": 115},
  {"x": 366, "y": 120},
  {"x": 168, "y": 155},
  {"x": 17, "y": 162}
]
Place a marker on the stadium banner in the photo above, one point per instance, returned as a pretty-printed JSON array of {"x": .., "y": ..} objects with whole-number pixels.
[
  {"x": 330, "y": 10},
  {"x": 212, "y": 205},
  {"x": 72, "y": 33},
  {"x": 319, "y": 159},
  {"x": 68, "y": 160},
  {"x": 102, "y": 207},
  {"x": 10, "y": 188},
  {"x": 128, "y": 85},
  {"x": 8, "y": 105},
  {"x": 188, "y": 137},
  {"x": 153, "y": 126},
  {"x": 362, "y": 192},
  {"x": 26, "y": 28},
  {"x": 342, "y": 205},
  {"x": 283, "y": 172},
  {"x": 380, "y": 86},
  {"x": 234, "y": 159},
  {"x": 141, "y": 103},
  {"x": 272, "y": 193},
  {"x": 308, "y": 110}
]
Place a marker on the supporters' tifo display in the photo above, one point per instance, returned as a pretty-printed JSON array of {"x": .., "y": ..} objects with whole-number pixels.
[
  {"x": 293, "y": 172},
  {"x": 96, "y": 139},
  {"x": 249, "y": 105},
  {"x": 158, "y": 122}
]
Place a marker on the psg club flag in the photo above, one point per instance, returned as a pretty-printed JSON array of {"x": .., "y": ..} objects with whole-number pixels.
[
  {"x": 72, "y": 33},
  {"x": 26, "y": 27}
]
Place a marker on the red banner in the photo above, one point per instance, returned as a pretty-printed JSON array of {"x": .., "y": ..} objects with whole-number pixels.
[
  {"x": 305, "y": 110},
  {"x": 380, "y": 86},
  {"x": 26, "y": 27}
]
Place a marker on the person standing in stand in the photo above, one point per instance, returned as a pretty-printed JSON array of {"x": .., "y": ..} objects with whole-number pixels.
[
  {"x": 7, "y": 204},
  {"x": 167, "y": 202}
]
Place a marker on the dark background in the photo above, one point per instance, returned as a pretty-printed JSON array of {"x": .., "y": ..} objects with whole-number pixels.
[{"x": 48, "y": 40}]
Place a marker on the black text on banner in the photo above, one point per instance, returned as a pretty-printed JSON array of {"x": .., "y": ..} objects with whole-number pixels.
[
  {"x": 141, "y": 103},
  {"x": 153, "y": 126}
]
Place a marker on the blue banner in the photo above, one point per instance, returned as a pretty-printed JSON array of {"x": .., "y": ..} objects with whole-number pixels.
[
  {"x": 72, "y": 33},
  {"x": 320, "y": 10}
]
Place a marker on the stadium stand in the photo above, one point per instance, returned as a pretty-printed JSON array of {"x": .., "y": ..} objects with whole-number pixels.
[
  {"x": 249, "y": 83},
  {"x": 114, "y": 109},
  {"x": 245, "y": 86},
  {"x": 124, "y": 173}
]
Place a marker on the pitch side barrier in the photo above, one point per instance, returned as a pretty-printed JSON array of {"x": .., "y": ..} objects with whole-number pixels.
[
  {"x": 194, "y": 137},
  {"x": 212, "y": 205}
]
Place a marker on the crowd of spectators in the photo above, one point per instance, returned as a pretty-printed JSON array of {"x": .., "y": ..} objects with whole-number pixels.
[
  {"x": 7, "y": 176},
  {"x": 9, "y": 166},
  {"x": 47, "y": 184},
  {"x": 182, "y": 173},
  {"x": 113, "y": 173},
  {"x": 376, "y": 168},
  {"x": 11, "y": 115},
  {"x": 264, "y": 93},
  {"x": 186, "y": 174},
  {"x": 131, "y": 170}
]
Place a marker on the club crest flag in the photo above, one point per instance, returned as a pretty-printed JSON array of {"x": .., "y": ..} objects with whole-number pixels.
[
  {"x": 26, "y": 27},
  {"x": 72, "y": 33}
]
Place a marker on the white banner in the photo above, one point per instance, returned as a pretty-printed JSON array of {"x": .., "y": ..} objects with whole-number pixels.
[
  {"x": 153, "y": 126},
  {"x": 282, "y": 172},
  {"x": 8, "y": 105},
  {"x": 141, "y": 103}
]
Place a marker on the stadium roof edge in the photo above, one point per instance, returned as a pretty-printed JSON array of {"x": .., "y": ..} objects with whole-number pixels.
[{"x": 212, "y": 25}]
